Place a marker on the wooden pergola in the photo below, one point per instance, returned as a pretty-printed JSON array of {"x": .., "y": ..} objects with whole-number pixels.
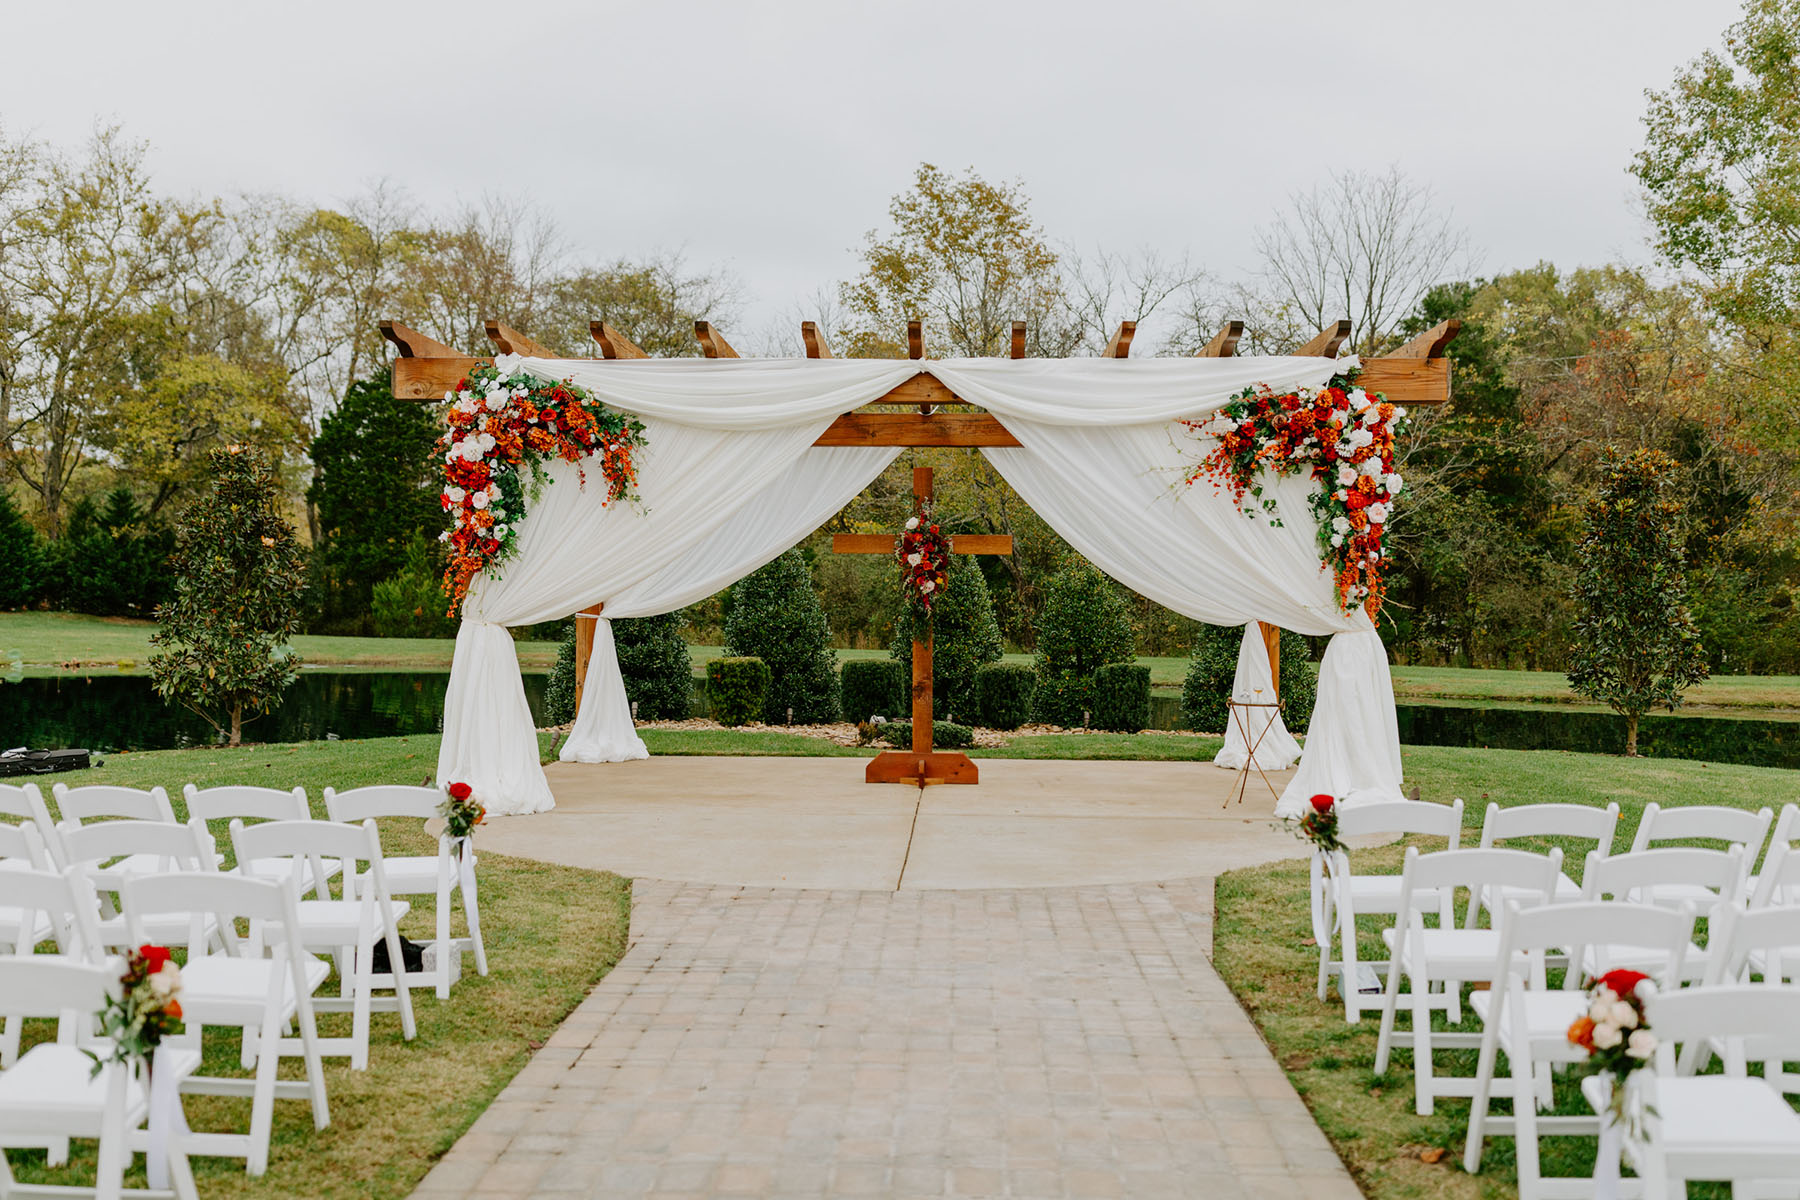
[{"x": 1415, "y": 375}]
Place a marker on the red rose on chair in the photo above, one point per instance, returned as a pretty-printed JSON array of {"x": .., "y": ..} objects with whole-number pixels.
[
  {"x": 154, "y": 957},
  {"x": 461, "y": 791},
  {"x": 1623, "y": 982},
  {"x": 1322, "y": 803}
]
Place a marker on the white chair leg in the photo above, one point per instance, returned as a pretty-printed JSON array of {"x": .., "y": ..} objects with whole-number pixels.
[
  {"x": 409, "y": 1026},
  {"x": 1349, "y": 968},
  {"x": 1525, "y": 1126},
  {"x": 443, "y": 937},
  {"x": 262, "y": 1096},
  {"x": 1423, "y": 1099},
  {"x": 109, "y": 1173},
  {"x": 472, "y": 914},
  {"x": 362, "y": 978},
  {"x": 315, "y": 1067},
  {"x": 1390, "y": 1001},
  {"x": 1478, "y": 1104}
]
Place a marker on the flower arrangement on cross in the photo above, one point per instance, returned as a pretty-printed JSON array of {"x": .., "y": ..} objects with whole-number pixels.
[{"x": 923, "y": 552}]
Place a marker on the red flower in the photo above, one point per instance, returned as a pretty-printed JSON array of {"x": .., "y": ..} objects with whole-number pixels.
[
  {"x": 1322, "y": 803},
  {"x": 461, "y": 791},
  {"x": 154, "y": 957},
  {"x": 1623, "y": 982}
]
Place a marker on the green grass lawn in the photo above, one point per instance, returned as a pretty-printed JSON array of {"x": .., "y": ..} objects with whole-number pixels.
[
  {"x": 1262, "y": 930},
  {"x": 551, "y": 934}
]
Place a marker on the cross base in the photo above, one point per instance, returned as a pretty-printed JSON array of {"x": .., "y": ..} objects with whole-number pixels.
[{"x": 920, "y": 769}]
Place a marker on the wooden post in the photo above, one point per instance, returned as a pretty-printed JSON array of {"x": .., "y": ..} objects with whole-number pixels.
[
  {"x": 1272, "y": 647},
  {"x": 584, "y": 647},
  {"x": 921, "y": 651}
]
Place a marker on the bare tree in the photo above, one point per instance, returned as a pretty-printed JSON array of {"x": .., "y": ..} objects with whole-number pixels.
[
  {"x": 1104, "y": 288},
  {"x": 1362, "y": 246}
]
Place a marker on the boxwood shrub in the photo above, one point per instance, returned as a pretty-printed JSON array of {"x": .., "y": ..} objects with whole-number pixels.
[
  {"x": 945, "y": 735},
  {"x": 873, "y": 687},
  {"x": 737, "y": 689},
  {"x": 1122, "y": 697},
  {"x": 1003, "y": 694}
]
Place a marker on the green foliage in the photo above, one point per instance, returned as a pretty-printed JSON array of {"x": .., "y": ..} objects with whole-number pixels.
[
  {"x": 1122, "y": 697},
  {"x": 376, "y": 484},
  {"x": 873, "y": 687},
  {"x": 653, "y": 658},
  {"x": 559, "y": 693},
  {"x": 1214, "y": 668},
  {"x": 410, "y": 602},
  {"x": 964, "y": 636},
  {"x": 112, "y": 560},
  {"x": 21, "y": 557},
  {"x": 737, "y": 689},
  {"x": 238, "y": 571},
  {"x": 1636, "y": 642},
  {"x": 1003, "y": 694},
  {"x": 1084, "y": 626},
  {"x": 945, "y": 735},
  {"x": 775, "y": 616}
]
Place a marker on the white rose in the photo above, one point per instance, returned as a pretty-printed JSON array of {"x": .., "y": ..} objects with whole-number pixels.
[
  {"x": 496, "y": 402},
  {"x": 500, "y": 528},
  {"x": 1337, "y": 539},
  {"x": 455, "y": 495},
  {"x": 1370, "y": 466},
  {"x": 1341, "y": 524},
  {"x": 1378, "y": 512},
  {"x": 1600, "y": 1008},
  {"x": 912, "y": 523},
  {"x": 1393, "y": 484},
  {"x": 508, "y": 364},
  {"x": 1641, "y": 1044},
  {"x": 928, "y": 586},
  {"x": 1359, "y": 400},
  {"x": 1398, "y": 413},
  {"x": 166, "y": 982},
  {"x": 444, "y": 536},
  {"x": 493, "y": 491},
  {"x": 913, "y": 560},
  {"x": 450, "y": 398},
  {"x": 1359, "y": 437},
  {"x": 480, "y": 500},
  {"x": 1346, "y": 474},
  {"x": 1339, "y": 494},
  {"x": 1623, "y": 1015},
  {"x": 1607, "y": 1035},
  {"x": 487, "y": 442}
]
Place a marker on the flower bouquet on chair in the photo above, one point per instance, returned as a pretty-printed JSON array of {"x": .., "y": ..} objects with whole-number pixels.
[
  {"x": 1619, "y": 1043},
  {"x": 461, "y": 811},
  {"x": 1318, "y": 825},
  {"x": 146, "y": 1009}
]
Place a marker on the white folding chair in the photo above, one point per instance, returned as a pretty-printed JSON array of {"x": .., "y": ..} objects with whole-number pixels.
[
  {"x": 1672, "y": 877},
  {"x": 449, "y": 872},
  {"x": 26, "y": 802},
  {"x": 1700, "y": 823},
  {"x": 1530, "y": 1022},
  {"x": 1581, "y": 822},
  {"x": 1761, "y": 942},
  {"x": 79, "y": 807},
  {"x": 1447, "y": 955},
  {"x": 1340, "y": 896},
  {"x": 1767, "y": 889},
  {"x": 53, "y": 1093},
  {"x": 241, "y": 988},
  {"x": 263, "y": 804},
  {"x": 49, "y": 906},
  {"x": 111, "y": 852},
  {"x": 22, "y": 850},
  {"x": 346, "y": 928},
  {"x": 1729, "y": 1127}
]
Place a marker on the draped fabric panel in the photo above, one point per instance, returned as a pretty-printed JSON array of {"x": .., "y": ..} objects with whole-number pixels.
[
  {"x": 730, "y": 477},
  {"x": 1261, "y": 730}
]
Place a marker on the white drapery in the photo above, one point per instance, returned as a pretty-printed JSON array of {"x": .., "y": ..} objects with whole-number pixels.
[
  {"x": 1101, "y": 459},
  {"x": 1256, "y": 731}
]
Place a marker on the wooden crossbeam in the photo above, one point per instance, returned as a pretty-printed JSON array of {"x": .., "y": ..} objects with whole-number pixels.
[
  {"x": 1119, "y": 346},
  {"x": 1018, "y": 339},
  {"x": 412, "y": 344},
  {"x": 1224, "y": 343},
  {"x": 1326, "y": 344},
  {"x": 815, "y": 341},
  {"x": 916, "y": 429},
  {"x": 613, "y": 344},
  {"x": 1431, "y": 343},
  {"x": 511, "y": 341},
  {"x": 712, "y": 342},
  {"x": 1410, "y": 381},
  {"x": 883, "y": 543}
]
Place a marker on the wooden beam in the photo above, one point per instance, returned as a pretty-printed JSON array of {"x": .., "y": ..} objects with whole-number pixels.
[
  {"x": 1431, "y": 343},
  {"x": 912, "y": 429},
  {"x": 1414, "y": 382},
  {"x": 613, "y": 344},
  {"x": 412, "y": 344},
  {"x": 1120, "y": 344},
  {"x": 1224, "y": 343},
  {"x": 815, "y": 341},
  {"x": 712, "y": 342},
  {"x": 915, "y": 339},
  {"x": 584, "y": 647},
  {"x": 430, "y": 378},
  {"x": 511, "y": 341},
  {"x": 883, "y": 543},
  {"x": 1326, "y": 344},
  {"x": 1018, "y": 339},
  {"x": 1271, "y": 636}
]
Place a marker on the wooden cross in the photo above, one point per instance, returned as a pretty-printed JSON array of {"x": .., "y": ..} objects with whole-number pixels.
[{"x": 921, "y": 765}]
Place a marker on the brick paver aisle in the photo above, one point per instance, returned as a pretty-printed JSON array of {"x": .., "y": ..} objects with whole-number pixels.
[{"x": 1043, "y": 1043}]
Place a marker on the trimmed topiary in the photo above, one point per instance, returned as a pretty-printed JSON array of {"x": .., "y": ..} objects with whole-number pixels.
[
  {"x": 1003, "y": 694},
  {"x": 737, "y": 688},
  {"x": 945, "y": 735},
  {"x": 1085, "y": 625},
  {"x": 1214, "y": 668},
  {"x": 964, "y": 636},
  {"x": 653, "y": 658},
  {"x": 775, "y": 616},
  {"x": 873, "y": 687},
  {"x": 1122, "y": 697}
]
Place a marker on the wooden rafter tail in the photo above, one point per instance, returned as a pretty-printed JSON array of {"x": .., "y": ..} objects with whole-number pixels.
[
  {"x": 412, "y": 344},
  {"x": 1224, "y": 343},
  {"x": 1018, "y": 339},
  {"x": 1119, "y": 346},
  {"x": 915, "y": 339},
  {"x": 1326, "y": 344},
  {"x": 613, "y": 344},
  {"x": 511, "y": 341},
  {"x": 1431, "y": 343},
  {"x": 815, "y": 341},
  {"x": 712, "y": 342}
]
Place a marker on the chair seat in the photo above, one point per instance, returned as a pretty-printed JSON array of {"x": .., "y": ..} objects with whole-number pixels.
[
  {"x": 298, "y": 869},
  {"x": 1716, "y": 1117},
  {"x": 218, "y": 989},
  {"x": 1673, "y": 895},
  {"x": 52, "y": 1083},
  {"x": 1458, "y": 953},
  {"x": 408, "y": 873},
  {"x": 1548, "y": 1016},
  {"x": 338, "y": 922}
]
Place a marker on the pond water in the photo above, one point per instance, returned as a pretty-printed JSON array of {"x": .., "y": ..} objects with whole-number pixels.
[{"x": 123, "y": 712}]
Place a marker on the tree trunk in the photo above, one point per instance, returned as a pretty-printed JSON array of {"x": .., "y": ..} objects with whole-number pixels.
[
  {"x": 237, "y": 725},
  {"x": 1631, "y": 727}
]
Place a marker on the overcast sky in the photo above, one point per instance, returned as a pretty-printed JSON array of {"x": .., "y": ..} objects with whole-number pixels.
[{"x": 767, "y": 138}]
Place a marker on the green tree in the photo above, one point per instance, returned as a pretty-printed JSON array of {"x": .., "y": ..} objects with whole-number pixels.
[
  {"x": 112, "y": 560},
  {"x": 775, "y": 616},
  {"x": 1636, "y": 644},
  {"x": 559, "y": 693},
  {"x": 376, "y": 485},
  {"x": 410, "y": 602},
  {"x": 1085, "y": 624},
  {"x": 653, "y": 658},
  {"x": 964, "y": 636},
  {"x": 238, "y": 574},
  {"x": 21, "y": 557}
]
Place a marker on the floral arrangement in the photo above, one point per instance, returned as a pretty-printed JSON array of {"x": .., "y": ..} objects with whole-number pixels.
[
  {"x": 1614, "y": 1033},
  {"x": 923, "y": 552},
  {"x": 461, "y": 811},
  {"x": 1345, "y": 437},
  {"x": 146, "y": 1010},
  {"x": 501, "y": 426},
  {"x": 1319, "y": 825}
]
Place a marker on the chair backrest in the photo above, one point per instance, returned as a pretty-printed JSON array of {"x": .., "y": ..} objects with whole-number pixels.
[
  {"x": 46, "y": 986},
  {"x": 226, "y": 897},
  {"x": 82, "y": 804},
  {"x": 246, "y": 803},
  {"x": 1760, "y": 1019},
  {"x": 27, "y": 802},
  {"x": 66, "y": 898},
  {"x": 1780, "y": 876},
  {"x": 1703, "y": 822},
  {"x": 1773, "y": 933},
  {"x": 24, "y": 843},
  {"x": 1402, "y": 817},
  {"x": 384, "y": 800},
  {"x": 1621, "y": 876},
  {"x": 1533, "y": 874},
  {"x": 1573, "y": 927},
  {"x": 1551, "y": 820},
  {"x": 184, "y": 847},
  {"x": 314, "y": 841},
  {"x": 1787, "y": 827}
]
